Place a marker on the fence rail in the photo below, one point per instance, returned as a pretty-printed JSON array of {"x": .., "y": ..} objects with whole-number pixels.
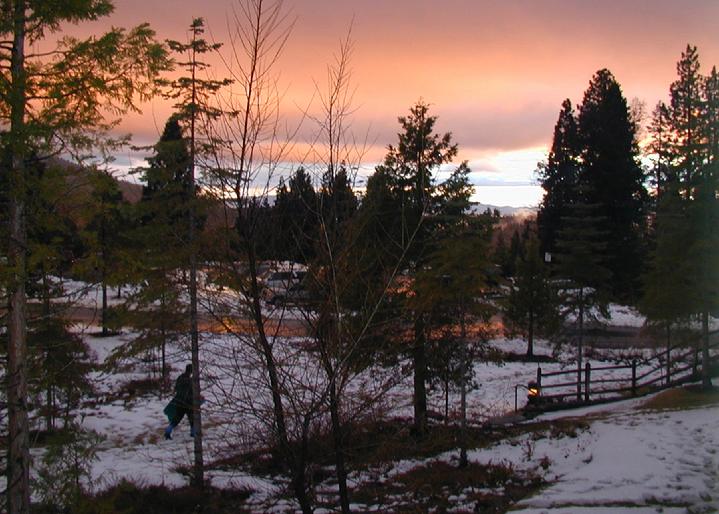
[{"x": 673, "y": 366}]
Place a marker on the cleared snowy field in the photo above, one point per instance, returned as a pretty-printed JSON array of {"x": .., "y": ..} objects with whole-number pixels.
[{"x": 629, "y": 459}]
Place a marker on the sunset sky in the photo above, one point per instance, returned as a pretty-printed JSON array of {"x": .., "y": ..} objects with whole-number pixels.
[{"x": 495, "y": 72}]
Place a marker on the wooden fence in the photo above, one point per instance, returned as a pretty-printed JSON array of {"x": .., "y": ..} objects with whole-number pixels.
[{"x": 673, "y": 366}]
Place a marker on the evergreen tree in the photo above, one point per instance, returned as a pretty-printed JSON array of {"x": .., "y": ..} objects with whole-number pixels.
[
  {"x": 408, "y": 168},
  {"x": 662, "y": 149},
  {"x": 683, "y": 279},
  {"x": 580, "y": 264},
  {"x": 613, "y": 179},
  {"x": 447, "y": 288},
  {"x": 296, "y": 210},
  {"x": 409, "y": 199},
  {"x": 52, "y": 237},
  {"x": 163, "y": 210},
  {"x": 166, "y": 191},
  {"x": 107, "y": 240},
  {"x": 268, "y": 244},
  {"x": 58, "y": 359},
  {"x": 685, "y": 110},
  {"x": 703, "y": 257},
  {"x": 60, "y": 364},
  {"x": 559, "y": 178},
  {"x": 500, "y": 255},
  {"x": 516, "y": 252},
  {"x": 49, "y": 105},
  {"x": 710, "y": 118},
  {"x": 156, "y": 309},
  {"x": 193, "y": 95},
  {"x": 666, "y": 286},
  {"x": 533, "y": 304},
  {"x": 337, "y": 199}
]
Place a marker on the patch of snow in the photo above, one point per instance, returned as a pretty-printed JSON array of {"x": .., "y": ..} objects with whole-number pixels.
[
  {"x": 630, "y": 459},
  {"x": 623, "y": 316}
]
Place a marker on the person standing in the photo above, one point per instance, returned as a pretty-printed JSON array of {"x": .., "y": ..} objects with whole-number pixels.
[{"x": 181, "y": 403}]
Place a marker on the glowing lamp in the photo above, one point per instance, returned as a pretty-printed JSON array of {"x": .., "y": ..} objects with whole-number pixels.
[{"x": 532, "y": 391}]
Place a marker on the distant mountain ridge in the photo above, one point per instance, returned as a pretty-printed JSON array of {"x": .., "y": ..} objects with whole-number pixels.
[
  {"x": 478, "y": 208},
  {"x": 504, "y": 210},
  {"x": 132, "y": 193}
]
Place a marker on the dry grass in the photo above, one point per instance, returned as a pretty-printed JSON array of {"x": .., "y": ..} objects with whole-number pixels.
[
  {"x": 439, "y": 487},
  {"x": 683, "y": 398},
  {"x": 128, "y": 498}
]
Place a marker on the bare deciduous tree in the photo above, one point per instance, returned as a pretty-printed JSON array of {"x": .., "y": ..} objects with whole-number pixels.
[{"x": 246, "y": 150}]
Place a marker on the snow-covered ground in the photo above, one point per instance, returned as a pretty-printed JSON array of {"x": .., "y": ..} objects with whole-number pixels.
[{"x": 628, "y": 460}]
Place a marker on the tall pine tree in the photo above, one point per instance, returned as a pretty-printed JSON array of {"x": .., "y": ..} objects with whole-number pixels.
[
  {"x": 106, "y": 236},
  {"x": 683, "y": 279},
  {"x": 613, "y": 179},
  {"x": 155, "y": 309},
  {"x": 193, "y": 95},
  {"x": 685, "y": 111},
  {"x": 403, "y": 188},
  {"x": 559, "y": 177}
]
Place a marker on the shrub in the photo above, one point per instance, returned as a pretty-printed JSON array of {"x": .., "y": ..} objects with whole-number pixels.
[{"x": 65, "y": 469}]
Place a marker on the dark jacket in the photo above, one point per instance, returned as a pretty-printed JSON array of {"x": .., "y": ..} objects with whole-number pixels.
[{"x": 183, "y": 391}]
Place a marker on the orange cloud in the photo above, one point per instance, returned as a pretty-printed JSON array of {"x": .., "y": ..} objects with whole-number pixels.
[{"x": 494, "y": 72}]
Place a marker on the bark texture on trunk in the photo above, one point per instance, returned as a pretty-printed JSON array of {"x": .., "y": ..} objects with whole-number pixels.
[{"x": 18, "y": 464}]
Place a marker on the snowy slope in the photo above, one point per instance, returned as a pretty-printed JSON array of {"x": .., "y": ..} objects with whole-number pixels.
[{"x": 631, "y": 461}]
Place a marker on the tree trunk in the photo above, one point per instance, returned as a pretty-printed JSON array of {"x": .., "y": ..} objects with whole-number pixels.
[
  {"x": 339, "y": 448},
  {"x": 669, "y": 353},
  {"x": 327, "y": 335},
  {"x": 46, "y": 308},
  {"x": 580, "y": 344},
  {"x": 18, "y": 460},
  {"x": 446, "y": 401},
  {"x": 163, "y": 345},
  {"x": 198, "y": 476},
  {"x": 530, "y": 334},
  {"x": 420, "y": 378},
  {"x": 103, "y": 268},
  {"x": 163, "y": 363},
  {"x": 466, "y": 362},
  {"x": 706, "y": 364},
  {"x": 297, "y": 466},
  {"x": 463, "y": 425},
  {"x": 105, "y": 331},
  {"x": 49, "y": 425}
]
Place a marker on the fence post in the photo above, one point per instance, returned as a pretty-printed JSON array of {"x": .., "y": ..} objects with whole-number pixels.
[
  {"x": 587, "y": 380},
  {"x": 634, "y": 377},
  {"x": 539, "y": 379},
  {"x": 669, "y": 365},
  {"x": 579, "y": 382}
]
